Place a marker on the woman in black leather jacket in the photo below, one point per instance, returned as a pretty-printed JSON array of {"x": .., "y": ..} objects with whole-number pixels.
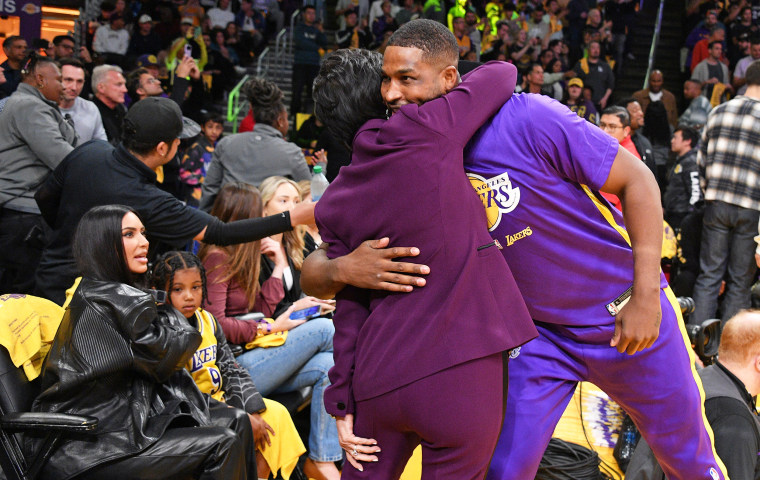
[{"x": 118, "y": 358}]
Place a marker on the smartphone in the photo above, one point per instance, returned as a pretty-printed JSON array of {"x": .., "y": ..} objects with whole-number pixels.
[
  {"x": 307, "y": 313},
  {"x": 188, "y": 50}
]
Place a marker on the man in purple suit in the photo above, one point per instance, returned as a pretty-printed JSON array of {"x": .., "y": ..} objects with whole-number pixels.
[
  {"x": 404, "y": 363},
  {"x": 593, "y": 286}
]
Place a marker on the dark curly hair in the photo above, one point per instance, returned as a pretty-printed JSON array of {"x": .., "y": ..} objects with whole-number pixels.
[
  {"x": 266, "y": 100},
  {"x": 347, "y": 92},
  {"x": 170, "y": 263},
  {"x": 433, "y": 38}
]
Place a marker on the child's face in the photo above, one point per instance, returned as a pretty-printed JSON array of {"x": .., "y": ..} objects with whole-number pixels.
[
  {"x": 212, "y": 130},
  {"x": 186, "y": 294}
]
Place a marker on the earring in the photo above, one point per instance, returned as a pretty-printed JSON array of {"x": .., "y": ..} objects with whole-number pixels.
[{"x": 387, "y": 113}]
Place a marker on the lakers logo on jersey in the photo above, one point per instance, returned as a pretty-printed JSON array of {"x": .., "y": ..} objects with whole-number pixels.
[{"x": 497, "y": 194}]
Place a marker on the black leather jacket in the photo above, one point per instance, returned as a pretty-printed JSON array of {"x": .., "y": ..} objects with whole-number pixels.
[{"x": 117, "y": 358}]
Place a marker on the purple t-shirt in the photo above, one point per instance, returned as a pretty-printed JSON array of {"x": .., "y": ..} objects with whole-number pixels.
[{"x": 538, "y": 168}]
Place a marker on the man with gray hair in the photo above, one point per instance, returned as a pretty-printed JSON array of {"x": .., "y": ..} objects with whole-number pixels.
[{"x": 109, "y": 86}]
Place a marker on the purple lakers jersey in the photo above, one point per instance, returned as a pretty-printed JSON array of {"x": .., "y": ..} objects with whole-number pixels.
[{"x": 537, "y": 168}]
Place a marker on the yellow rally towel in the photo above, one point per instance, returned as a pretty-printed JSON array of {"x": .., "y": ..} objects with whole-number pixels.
[
  {"x": 287, "y": 446},
  {"x": 718, "y": 90},
  {"x": 266, "y": 341},
  {"x": 27, "y": 329}
]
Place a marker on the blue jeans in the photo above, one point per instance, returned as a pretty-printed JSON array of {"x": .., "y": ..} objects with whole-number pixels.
[
  {"x": 727, "y": 250},
  {"x": 304, "y": 359}
]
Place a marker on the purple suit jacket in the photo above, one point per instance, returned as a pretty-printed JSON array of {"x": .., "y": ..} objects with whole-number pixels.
[{"x": 406, "y": 181}]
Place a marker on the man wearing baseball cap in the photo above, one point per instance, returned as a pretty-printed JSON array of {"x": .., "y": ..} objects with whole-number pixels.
[
  {"x": 100, "y": 174},
  {"x": 577, "y": 103},
  {"x": 144, "y": 40}
]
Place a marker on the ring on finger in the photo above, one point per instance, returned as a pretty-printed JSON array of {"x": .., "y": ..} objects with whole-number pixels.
[{"x": 354, "y": 452}]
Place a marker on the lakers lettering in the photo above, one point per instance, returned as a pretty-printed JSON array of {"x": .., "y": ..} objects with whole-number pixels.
[
  {"x": 527, "y": 232},
  {"x": 202, "y": 356}
]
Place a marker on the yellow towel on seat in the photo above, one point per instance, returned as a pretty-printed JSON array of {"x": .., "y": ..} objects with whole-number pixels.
[
  {"x": 287, "y": 446},
  {"x": 27, "y": 329}
]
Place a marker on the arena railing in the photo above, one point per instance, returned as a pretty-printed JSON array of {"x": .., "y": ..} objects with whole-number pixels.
[
  {"x": 235, "y": 104},
  {"x": 655, "y": 42}
]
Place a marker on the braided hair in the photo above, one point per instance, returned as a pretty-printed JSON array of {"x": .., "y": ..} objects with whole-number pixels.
[
  {"x": 170, "y": 263},
  {"x": 266, "y": 100}
]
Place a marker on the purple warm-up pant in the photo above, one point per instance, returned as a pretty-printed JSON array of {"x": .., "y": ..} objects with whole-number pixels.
[
  {"x": 657, "y": 387},
  {"x": 455, "y": 414}
]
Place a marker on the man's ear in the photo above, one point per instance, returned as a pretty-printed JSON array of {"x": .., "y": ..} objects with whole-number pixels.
[
  {"x": 627, "y": 131},
  {"x": 450, "y": 76}
]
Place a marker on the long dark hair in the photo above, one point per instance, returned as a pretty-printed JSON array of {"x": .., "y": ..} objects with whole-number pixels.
[
  {"x": 347, "y": 92},
  {"x": 98, "y": 247}
]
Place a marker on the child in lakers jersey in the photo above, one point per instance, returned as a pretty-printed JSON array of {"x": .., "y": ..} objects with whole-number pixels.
[{"x": 215, "y": 371}]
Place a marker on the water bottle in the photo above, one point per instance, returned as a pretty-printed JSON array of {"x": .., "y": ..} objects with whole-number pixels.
[{"x": 318, "y": 183}]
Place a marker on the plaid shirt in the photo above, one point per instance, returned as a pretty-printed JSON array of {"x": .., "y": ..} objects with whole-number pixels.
[{"x": 729, "y": 154}]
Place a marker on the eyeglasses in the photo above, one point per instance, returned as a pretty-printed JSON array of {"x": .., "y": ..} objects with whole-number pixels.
[{"x": 607, "y": 126}]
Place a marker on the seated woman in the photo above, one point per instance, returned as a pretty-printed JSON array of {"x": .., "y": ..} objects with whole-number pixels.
[
  {"x": 216, "y": 372},
  {"x": 119, "y": 358},
  {"x": 304, "y": 358}
]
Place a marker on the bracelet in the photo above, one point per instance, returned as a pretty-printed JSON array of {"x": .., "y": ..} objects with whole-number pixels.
[
  {"x": 269, "y": 328},
  {"x": 259, "y": 329}
]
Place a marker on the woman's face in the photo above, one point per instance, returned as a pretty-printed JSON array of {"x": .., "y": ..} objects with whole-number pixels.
[
  {"x": 135, "y": 243},
  {"x": 285, "y": 198},
  {"x": 557, "y": 67},
  {"x": 522, "y": 35}
]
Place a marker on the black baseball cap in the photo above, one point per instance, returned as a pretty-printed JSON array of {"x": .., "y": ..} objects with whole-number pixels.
[{"x": 157, "y": 119}]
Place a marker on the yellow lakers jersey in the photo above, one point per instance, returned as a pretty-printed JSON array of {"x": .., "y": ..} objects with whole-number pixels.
[{"x": 202, "y": 365}]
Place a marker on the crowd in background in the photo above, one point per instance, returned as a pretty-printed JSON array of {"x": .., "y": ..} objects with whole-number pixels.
[{"x": 62, "y": 95}]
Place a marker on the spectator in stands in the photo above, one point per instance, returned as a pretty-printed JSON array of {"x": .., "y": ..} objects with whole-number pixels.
[
  {"x": 615, "y": 121},
  {"x": 743, "y": 27},
  {"x": 731, "y": 385},
  {"x": 578, "y": 104},
  {"x": 524, "y": 51},
  {"x": 434, "y": 10},
  {"x": 252, "y": 26},
  {"x": 97, "y": 173},
  {"x": 577, "y": 13},
  {"x": 463, "y": 40},
  {"x": 354, "y": 35},
  {"x": 253, "y": 156},
  {"x": 695, "y": 115},
  {"x": 738, "y": 51},
  {"x": 217, "y": 373},
  {"x": 533, "y": 80},
  {"x": 118, "y": 359},
  {"x": 221, "y": 15},
  {"x": 309, "y": 39},
  {"x": 410, "y": 10},
  {"x": 498, "y": 48},
  {"x": 83, "y": 113},
  {"x": 701, "y": 31},
  {"x": 702, "y": 48},
  {"x": 193, "y": 11},
  {"x": 376, "y": 10},
  {"x": 144, "y": 41},
  {"x": 14, "y": 48},
  {"x": 622, "y": 14},
  {"x": 655, "y": 93},
  {"x": 643, "y": 145},
  {"x": 63, "y": 46},
  {"x": 112, "y": 40},
  {"x": 219, "y": 44},
  {"x": 385, "y": 23},
  {"x": 712, "y": 74},
  {"x": 242, "y": 280},
  {"x": 728, "y": 169},
  {"x": 34, "y": 138},
  {"x": 554, "y": 77},
  {"x": 683, "y": 192},
  {"x": 197, "y": 157},
  {"x": 596, "y": 73},
  {"x": 739, "y": 82},
  {"x": 143, "y": 83},
  {"x": 109, "y": 86}
]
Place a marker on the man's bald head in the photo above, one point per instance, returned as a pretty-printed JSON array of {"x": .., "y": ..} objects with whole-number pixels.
[{"x": 740, "y": 340}]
